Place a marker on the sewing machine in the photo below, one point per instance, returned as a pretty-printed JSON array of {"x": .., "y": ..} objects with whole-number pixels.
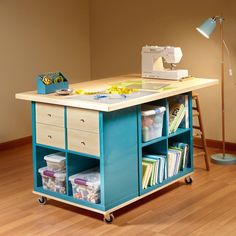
[{"x": 152, "y": 62}]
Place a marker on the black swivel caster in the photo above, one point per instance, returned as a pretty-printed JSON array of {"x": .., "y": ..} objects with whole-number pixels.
[
  {"x": 42, "y": 200},
  {"x": 188, "y": 180},
  {"x": 108, "y": 218}
]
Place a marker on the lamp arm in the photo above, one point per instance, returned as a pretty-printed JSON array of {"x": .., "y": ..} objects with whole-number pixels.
[
  {"x": 221, "y": 20},
  {"x": 218, "y": 18},
  {"x": 229, "y": 60}
]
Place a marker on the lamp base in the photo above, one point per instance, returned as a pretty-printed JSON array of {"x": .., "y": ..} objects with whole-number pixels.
[{"x": 229, "y": 159}]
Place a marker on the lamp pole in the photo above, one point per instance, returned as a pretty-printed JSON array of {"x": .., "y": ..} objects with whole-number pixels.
[
  {"x": 206, "y": 29},
  {"x": 222, "y": 87}
]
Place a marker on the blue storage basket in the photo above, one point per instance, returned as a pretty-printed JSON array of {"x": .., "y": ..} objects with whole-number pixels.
[{"x": 50, "y": 88}]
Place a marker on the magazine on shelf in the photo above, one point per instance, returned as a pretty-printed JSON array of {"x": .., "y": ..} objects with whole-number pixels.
[
  {"x": 153, "y": 177},
  {"x": 185, "y": 148},
  {"x": 162, "y": 167},
  {"x": 178, "y": 112}
]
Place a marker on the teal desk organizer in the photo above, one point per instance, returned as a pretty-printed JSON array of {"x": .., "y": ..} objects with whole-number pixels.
[{"x": 42, "y": 88}]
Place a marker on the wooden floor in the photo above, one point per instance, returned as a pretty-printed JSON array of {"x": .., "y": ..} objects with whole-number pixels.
[{"x": 207, "y": 207}]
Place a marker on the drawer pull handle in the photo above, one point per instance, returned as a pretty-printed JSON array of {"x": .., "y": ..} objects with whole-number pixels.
[
  {"x": 49, "y": 136},
  {"x": 83, "y": 143},
  {"x": 82, "y": 120},
  {"x": 50, "y": 115}
]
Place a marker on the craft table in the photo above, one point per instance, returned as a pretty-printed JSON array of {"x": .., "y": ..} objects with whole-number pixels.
[{"x": 106, "y": 133}]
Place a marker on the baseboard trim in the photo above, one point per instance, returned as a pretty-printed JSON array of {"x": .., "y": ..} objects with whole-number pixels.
[
  {"x": 210, "y": 143},
  {"x": 215, "y": 144},
  {"x": 15, "y": 143}
]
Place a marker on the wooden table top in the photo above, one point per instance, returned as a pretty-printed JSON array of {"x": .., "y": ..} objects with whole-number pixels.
[{"x": 115, "y": 103}]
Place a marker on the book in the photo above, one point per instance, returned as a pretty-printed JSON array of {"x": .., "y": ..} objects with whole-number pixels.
[
  {"x": 184, "y": 99},
  {"x": 150, "y": 177},
  {"x": 154, "y": 163},
  {"x": 178, "y": 121},
  {"x": 165, "y": 170},
  {"x": 183, "y": 120},
  {"x": 146, "y": 169},
  {"x": 185, "y": 148},
  {"x": 156, "y": 171},
  {"x": 177, "y": 159},
  {"x": 181, "y": 150},
  {"x": 171, "y": 163},
  {"x": 175, "y": 111},
  {"x": 161, "y": 169},
  {"x": 177, "y": 162}
]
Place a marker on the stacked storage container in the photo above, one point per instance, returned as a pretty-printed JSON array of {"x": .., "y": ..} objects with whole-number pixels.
[{"x": 54, "y": 174}]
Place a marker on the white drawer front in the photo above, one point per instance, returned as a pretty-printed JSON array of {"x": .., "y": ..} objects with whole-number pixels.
[
  {"x": 50, "y": 135},
  {"x": 84, "y": 142},
  {"x": 50, "y": 114},
  {"x": 83, "y": 119}
]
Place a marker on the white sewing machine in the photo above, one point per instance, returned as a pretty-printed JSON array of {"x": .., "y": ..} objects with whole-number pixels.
[{"x": 152, "y": 63}]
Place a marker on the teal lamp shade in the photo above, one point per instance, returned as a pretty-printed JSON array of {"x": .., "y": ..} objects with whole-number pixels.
[{"x": 207, "y": 27}]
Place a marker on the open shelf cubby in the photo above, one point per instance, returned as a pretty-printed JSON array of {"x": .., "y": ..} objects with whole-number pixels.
[{"x": 160, "y": 146}]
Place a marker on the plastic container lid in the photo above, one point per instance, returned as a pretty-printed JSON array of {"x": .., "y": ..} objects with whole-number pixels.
[
  {"x": 55, "y": 157},
  {"x": 45, "y": 171},
  {"x": 89, "y": 177},
  {"x": 149, "y": 110}
]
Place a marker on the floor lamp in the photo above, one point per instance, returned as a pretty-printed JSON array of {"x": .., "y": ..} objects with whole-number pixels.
[{"x": 206, "y": 29}]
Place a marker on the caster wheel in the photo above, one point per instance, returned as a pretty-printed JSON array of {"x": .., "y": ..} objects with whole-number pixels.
[
  {"x": 42, "y": 200},
  {"x": 108, "y": 218},
  {"x": 188, "y": 180}
]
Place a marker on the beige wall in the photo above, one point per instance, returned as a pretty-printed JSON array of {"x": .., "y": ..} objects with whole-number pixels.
[
  {"x": 36, "y": 37},
  {"x": 39, "y": 36},
  {"x": 120, "y": 28}
]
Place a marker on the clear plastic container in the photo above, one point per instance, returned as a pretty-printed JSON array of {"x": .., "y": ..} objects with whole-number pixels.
[
  {"x": 53, "y": 181},
  {"x": 86, "y": 185},
  {"x": 56, "y": 161},
  {"x": 152, "y": 122}
]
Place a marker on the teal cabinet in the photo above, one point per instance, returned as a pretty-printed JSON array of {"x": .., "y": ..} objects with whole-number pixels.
[{"x": 119, "y": 154}]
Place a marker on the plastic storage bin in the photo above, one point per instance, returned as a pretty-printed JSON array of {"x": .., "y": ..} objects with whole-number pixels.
[
  {"x": 86, "y": 185},
  {"x": 56, "y": 161},
  {"x": 152, "y": 122},
  {"x": 53, "y": 181}
]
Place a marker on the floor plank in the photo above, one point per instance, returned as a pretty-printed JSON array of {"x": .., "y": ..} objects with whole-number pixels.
[{"x": 207, "y": 207}]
